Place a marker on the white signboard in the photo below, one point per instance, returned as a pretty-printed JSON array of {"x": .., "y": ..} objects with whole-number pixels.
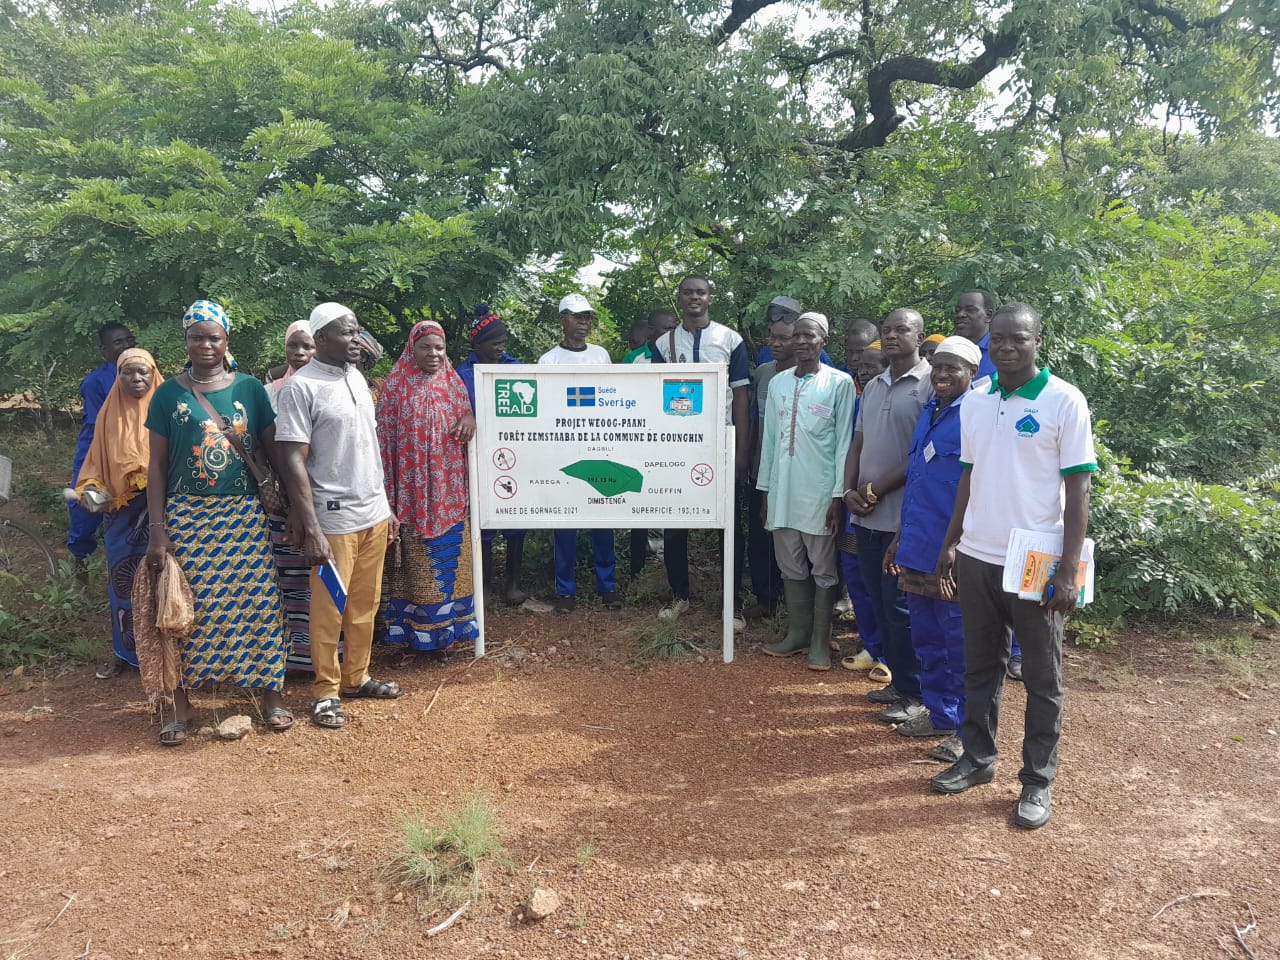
[
  {"x": 602, "y": 446},
  {"x": 596, "y": 446}
]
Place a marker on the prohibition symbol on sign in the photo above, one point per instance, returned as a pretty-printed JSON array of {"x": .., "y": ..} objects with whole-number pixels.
[
  {"x": 504, "y": 488},
  {"x": 504, "y": 459},
  {"x": 702, "y": 474}
]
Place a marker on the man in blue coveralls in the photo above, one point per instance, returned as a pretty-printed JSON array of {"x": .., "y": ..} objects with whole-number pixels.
[
  {"x": 113, "y": 340},
  {"x": 488, "y": 336},
  {"x": 933, "y": 477}
]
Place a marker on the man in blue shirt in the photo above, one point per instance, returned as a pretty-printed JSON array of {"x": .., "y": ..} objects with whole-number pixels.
[
  {"x": 488, "y": 336},
  {"x": 113, "y": 340},
  {"x": 933, "y": 477},
  {"x": 972, "y": 318},
  {"x": 858, "y": 338}
]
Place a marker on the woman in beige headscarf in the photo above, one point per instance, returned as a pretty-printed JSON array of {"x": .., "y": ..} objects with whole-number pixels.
[{"x": 113, "y": 480}]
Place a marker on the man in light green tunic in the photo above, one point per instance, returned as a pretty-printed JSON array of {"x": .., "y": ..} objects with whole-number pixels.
[{"x": 805, "y": 437}]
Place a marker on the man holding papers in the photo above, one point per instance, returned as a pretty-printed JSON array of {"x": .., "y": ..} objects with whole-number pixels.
[
  {"x": 1027, "y": 448},
  {"x": 339, "y": 507}
]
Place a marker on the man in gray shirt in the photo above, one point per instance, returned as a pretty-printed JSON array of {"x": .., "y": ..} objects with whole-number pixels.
[
  {"x": 339, "y": 513},
  {"x": 875, "y": 473}
]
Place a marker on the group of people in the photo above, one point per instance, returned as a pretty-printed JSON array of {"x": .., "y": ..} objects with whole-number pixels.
[
  {"x": 904, "y": 474},
  {"x": 895, "y": 478},
  {"x": 172, "y": 466}
]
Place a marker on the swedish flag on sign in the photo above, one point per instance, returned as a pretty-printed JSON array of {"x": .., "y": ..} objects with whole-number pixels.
[{"x": 580, "y": 396}]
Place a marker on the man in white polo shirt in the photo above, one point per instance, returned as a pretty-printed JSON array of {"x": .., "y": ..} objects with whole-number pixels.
[{"x": 1027, "y": 448}]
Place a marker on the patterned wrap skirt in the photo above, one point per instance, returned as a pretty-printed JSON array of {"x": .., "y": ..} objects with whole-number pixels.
[
  {"x": 124, "y": 535},
  {"x": 224, "y": 548},
  {"x": 427, "y": 590},
  {"x": 294, "y": 576}
]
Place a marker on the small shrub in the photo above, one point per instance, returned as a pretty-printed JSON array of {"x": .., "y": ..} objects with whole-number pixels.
[
  {"x": 446, "y": 855},
  {"x": 660, "y": 640},
  {"x": 44, "y": 620}
]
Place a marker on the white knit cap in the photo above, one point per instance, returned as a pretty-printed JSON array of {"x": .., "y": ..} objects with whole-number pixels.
[
  {"x": 819, "y": 318},
  {"x": 961, "y": 347},
  {"x": 326, "y": 313}
]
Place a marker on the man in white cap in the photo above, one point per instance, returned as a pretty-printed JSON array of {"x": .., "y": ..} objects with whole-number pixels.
[
  {"x": 339, "y": 508},
  {"x": 576, "y": 316},
  {"x": 804, "y": 443},
  {"x": 933, "y": 476}
]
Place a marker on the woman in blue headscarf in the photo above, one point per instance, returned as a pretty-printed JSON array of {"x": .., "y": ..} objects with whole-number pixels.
[{"x": 204, "y": 510}]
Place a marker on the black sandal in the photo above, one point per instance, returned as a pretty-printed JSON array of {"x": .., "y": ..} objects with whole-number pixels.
[
  {"x": 375, "y": 690},
  {"x": 328, "y": 713},
  {"x": 175, "y": 734},
  {"x": 278, "y": 713}
]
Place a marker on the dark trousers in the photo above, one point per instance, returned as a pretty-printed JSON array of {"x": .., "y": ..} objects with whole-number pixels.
[
  {"x": 675, "y": 552},
  {"x": 989, "y": 614},
  {"x": 863, "y": 611},
  {"x": 766, "y": 580},
  {"x": 890, "y": 605}
]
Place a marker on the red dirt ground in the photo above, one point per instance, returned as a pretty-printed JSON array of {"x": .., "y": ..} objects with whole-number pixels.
[{"x": 688, "y": 809}]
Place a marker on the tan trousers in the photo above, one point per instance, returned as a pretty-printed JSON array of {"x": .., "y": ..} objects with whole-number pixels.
[{"x": 358, "y": 558}]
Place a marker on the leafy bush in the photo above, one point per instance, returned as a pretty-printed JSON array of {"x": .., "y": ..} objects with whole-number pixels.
[
  {"x": 1168, "y": 545},
  {"x": 42, "y": 621}
]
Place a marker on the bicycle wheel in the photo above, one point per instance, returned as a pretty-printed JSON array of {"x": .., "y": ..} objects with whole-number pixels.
[{"x": 22, "y": 551}]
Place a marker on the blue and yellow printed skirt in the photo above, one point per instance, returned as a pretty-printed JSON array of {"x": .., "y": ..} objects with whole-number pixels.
[
  {"x": 427, "y": 590},
  {"x": 224, "y": 548}
]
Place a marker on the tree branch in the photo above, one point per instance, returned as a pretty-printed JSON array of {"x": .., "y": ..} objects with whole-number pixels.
[
  {"x": 885, "y": 118},
  {"x": 740, "y": 11}
]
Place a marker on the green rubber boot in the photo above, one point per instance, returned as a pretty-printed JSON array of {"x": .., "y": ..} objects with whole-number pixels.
[
  {"x": 799, "y": 595},
  {"x": 824, "y": 601}
]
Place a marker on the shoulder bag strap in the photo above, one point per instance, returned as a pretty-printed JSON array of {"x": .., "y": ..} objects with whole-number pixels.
[{"x": 229, "y": 432}]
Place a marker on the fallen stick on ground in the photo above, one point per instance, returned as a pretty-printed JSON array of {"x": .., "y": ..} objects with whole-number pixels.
[
  {"x": 442, "y": 927},
  {"x": 1194, "y": 895},
  {"x": 1240, "y": 932},
  {"x": 325, "y": 849},
  {"x": 433, "y": 698}
]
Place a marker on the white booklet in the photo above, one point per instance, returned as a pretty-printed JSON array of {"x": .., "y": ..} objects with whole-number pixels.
[{"x": 1032, "y": 559}]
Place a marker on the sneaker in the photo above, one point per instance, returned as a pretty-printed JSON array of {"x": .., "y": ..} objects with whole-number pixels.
[
  {"x": 922, "y": 726},
  {"x": 565, "y": 604},
  {"x": 673, "y": 609},
  {"x": 903, "y": 711},
  {"x": 611, "y": 599},
  {"x": 1014, "y": 672},
  {"x": 948, "y": 751},
  {"x": 885, "y": 695}
]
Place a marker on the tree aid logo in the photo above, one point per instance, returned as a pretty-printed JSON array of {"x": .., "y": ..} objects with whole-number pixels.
[{"x": 515, "y": 398}]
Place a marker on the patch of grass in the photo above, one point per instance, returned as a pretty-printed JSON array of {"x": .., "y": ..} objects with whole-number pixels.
[
  {"x": 661, "y": 640},
  {"x": 1233, "y": 657},
  {"x": 586, "y": 852},
  {"x": 448, "y": 855}
]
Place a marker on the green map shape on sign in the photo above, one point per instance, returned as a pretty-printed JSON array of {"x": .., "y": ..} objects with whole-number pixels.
[{"x": 609, "y": 478}]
